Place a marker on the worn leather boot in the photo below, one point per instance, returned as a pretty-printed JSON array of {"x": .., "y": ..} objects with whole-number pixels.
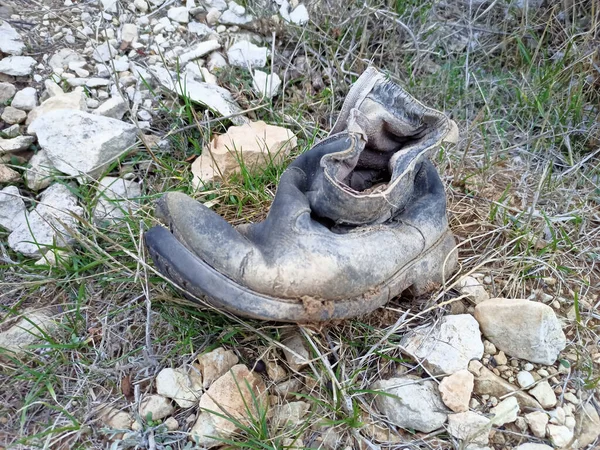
[{"x": 356, "y": 220}]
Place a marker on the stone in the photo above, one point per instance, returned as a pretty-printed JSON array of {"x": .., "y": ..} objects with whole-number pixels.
[
  {"x": 25, "y": 99},
  {"x": 171, "y": 424},
  {"x": 488, "y": 383},
  {"x": 213, "y": 97},
  {"x": 447, "y": 347},
  {"x": 507, "y": 411},
  {"x": 115, "y": 107},
  {"x": 177, "y": 385},
  {"x": 179, "y": 14},
  {"x": 275, "y": 371},
  {"x": 113, "y": 418},
  {"x": 289, "y": 414},
  {"x": 109, "y": 6},
  {"x": 97, "y": 82},
  {"x": 537, "y": 421},
  {"x": 456, "y": 390},
  {"x": 501, "y": 359},
  {"x": 237, "y": 394},
  {"x": 115, "y": 199},
  {"x": 247, "y": 55},
  {"x": 208, "y": 77},
  {"x": 17, "y": 66},
  {"x": 12, "y": 208},
  {"x": 141, "y": 5},
  {"x": 65, "y": 58},
  {"x": 219, "y": 5},
  {"x": 155, "y": 407},
  {"x": 544, "y": 394},
  {"x": 13, "y": 115},
  {"x": 522, "y": 328},
  {"x": 557, "y": 416},
  {"x": 7, "y": 91},
  {"x": 571, "y": 398},
  {"x": 10, "y": 40},
  {"x": 199, "y": 29},
  {"x": 27, "y": 330},
  {"x": 15, "y": 144},
  {"x": 7, "y": 175},
  {"x": 11, "y": 132},
  {"x": 489, "y": 348},
  {"x": 235, "y": 15},
  {"x": 299, "y": 15},
  {"x": 266, "y": 85},
  {"x": 40, "y": 172},
  {"x": 559, "y": 435},
  {"x": 129, "y": 34},
  {"x": 216, "y": 61},
  {"x": 75, "y": 100},
  {"x": 288, "y": 388},
  {"x": 469, "y": 427},
  {"x": 199, "y": 51},
  {"x": 256, "y": 144},
  {"x": 295, "y": 351},
  {"x": 79, "y": 143},
  {"x": 104, "y": 52},
  {"x": 472, "y": 289},
  {"x": 212, "y": 16},
  {"x": 531, "y": 446},
  {"x": 51, "y": 222},
  {"x": 525, "y": 379},
  {"x": 215, "y": 364},
  {"x": 52, "y": 89},
  {"x": 587, "y": 428},
  {"x": 410, "y": 402}
]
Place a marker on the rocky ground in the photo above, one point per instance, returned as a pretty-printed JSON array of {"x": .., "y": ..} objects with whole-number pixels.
[{"x": 104, "y": 105}]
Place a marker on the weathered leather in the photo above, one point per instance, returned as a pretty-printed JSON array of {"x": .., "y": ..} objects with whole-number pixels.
[
  {"x": 326, "y": 239},
  {"x": 394, "y": 133}
]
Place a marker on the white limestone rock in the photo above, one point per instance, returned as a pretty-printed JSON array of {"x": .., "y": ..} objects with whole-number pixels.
[
  {"x": 11, "y": 42},
  {"x": 51, "y": 222},
  {"x": 247, "y": 55},
  {"x": 12, "y": 208},
  {"x": 447, "y": 347},
  {"x": 17, "y": 66},
  {"x": 411, "y": 403},
  {"x": 79, "y": 143},
  {"x": 522, "y": 328}
]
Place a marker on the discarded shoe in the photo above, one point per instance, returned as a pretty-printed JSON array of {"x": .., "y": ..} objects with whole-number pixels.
[{"x": 356, "y": 220}]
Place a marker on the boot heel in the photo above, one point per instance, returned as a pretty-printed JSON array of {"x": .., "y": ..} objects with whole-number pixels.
[{"x": 430, "y": 272}]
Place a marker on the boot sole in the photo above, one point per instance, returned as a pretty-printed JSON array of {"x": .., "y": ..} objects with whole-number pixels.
[{"x": 196, "y": 279}]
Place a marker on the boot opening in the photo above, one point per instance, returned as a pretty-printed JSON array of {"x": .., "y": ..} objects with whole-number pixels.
[{"x": 373, "y": 170}]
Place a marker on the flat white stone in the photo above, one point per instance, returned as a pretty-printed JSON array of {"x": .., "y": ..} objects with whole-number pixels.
[
  {"x": 50, "y": 222},
  {"x": 447, "y": 347},
  {"x": 410, "y": 403},
  {"x": 267, "y": 85},
  {"x": 522, "y": 328},
  {"x": 12, "y": 208},
  {"x": 199, "y": 51},
  {"x": 10, "y": 40},
  {"x": 246, "y": 54},
  {"x": 179, "y": 14},
  {"x": 81, "y": 143},
  {"x": 17, "y": 66}
]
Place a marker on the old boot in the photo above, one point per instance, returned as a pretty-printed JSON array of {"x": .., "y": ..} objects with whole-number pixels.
[{"x": 356, "y": 220}]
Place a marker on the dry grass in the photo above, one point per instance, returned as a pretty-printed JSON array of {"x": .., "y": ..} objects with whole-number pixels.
[{"x": 523, "y": 192}]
